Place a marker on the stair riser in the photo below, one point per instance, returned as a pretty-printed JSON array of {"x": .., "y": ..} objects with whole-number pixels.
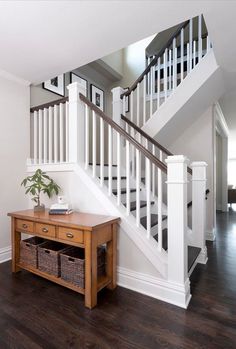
[
  {"x": 132, "y": 197},
  {"x": 106, "y": 171},
  {"x": 114, "y": 183}
]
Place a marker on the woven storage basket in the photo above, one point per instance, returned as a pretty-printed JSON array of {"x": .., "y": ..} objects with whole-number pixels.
[
  {"x": 29, "y": 251},
  {"x": 49, "y": 257},
  {"x": 73, "y": 265}
]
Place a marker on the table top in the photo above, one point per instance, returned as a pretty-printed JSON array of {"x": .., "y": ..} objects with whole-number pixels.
[{"x": 78, "y": 220}]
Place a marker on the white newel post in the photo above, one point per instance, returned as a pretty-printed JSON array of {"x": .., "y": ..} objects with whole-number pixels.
[
  {"x": 177, "y": 226},
  {"x": 117, "y": 109},
  {"x": 199, "y": 208},
  {"x": 76, "y": 123}
]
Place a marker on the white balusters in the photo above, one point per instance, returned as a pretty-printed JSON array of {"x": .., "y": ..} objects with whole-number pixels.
[
  {"x": 61, "y": 128},
  {"x": 55, "y": 119},
  {"x": 40, "y": 135},
  {"x": 190, "y": 42},
  {"x": 199, "y": 38},
  {"x": 101, "y": 152},
  {"x": 144, "y": 98},
  {"x": 138, "y": 105},
  {"x": 159, "y": 204},
  {"x": 118, "y": 170},
  {"x": 208, "y": 44},
  {"x": 174, "y": 64},
  {"x": 151, "y": 91},
  {"x": 182, "y": 55},
  {"x": 67, "y": 132},
  {"x": 127, "y": 145},
  {"x": 45, "y": 136},
  {"x": 153, "y": 173},
  {"x": 170, "y": 70},
  {"x": 148, "y": 196},
  {"x": 50, "y": 132},
  {"x": 165, "y": 74},
  {"x": 194, "y": 53},
  {"x": 158, "y": 81},
  {"x": 138, "y": 178},
  {"x": 35, "y": 137},
  {"x": 94, "y": 149},
  {"x": 188, "y": 59},
  {"x": 86, "y": 137},
  {"x": 109, "y": 160}
]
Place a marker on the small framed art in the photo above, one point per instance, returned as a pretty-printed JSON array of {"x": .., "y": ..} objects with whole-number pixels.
[
  {"x": 97, "y": 96},
  {"x": 76, "y": 78},
  {"x": 56, "y": 85}
]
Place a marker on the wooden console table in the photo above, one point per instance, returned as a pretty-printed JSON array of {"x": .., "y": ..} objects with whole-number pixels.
[{"x": 78, "y": 229}]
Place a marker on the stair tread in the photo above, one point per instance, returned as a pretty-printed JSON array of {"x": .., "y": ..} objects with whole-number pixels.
[
  {"x": 123, "y": 191},
  {"x": 114, "y": 178},
  {"x": 142, "y": 204},
  {"x": 193, "y": 252},
  {"x": 91, "y": 164},
  {"x": 154, "y": 220}
]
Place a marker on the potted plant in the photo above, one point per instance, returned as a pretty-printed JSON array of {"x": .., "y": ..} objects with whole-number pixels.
[{"x": 39, "y": 183}]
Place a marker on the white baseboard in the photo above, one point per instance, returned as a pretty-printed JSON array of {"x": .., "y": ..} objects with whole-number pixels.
[
  {"x": 5, "y": 254},
  {"x": 155, "y": 287},
  {"x": 210, "y": 235}
]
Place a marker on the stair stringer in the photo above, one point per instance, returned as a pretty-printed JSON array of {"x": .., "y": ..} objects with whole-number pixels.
[
  {"x": 147, "y": 246},
  {"x": 202, "y": 86}
]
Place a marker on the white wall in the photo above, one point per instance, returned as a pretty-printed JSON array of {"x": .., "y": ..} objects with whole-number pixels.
[
  {"x": 218, "y": 172},
  {"x": 196, "y": 142},
  {"x": 14, "y": 149},
  {"x": 115, "y": 61}
]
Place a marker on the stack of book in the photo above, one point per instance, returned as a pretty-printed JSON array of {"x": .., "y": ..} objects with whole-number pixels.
[{"x": 60, "y": 209}]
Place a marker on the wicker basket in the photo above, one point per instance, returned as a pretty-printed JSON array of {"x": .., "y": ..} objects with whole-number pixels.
[
  {"x": 49, "y": 257},
  {"x": 29, "y": 251},
  {"x": 73, "y": 265}
]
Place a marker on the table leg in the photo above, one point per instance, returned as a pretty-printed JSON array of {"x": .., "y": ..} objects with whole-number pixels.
[
  {"x": 90, "y": 270},
  {"x": 112, "y": 258},
  {"x": 15, "y": 241}
]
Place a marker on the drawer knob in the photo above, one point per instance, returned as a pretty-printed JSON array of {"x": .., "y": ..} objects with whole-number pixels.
[
  {"x": 69, "y": 235},
  {"x": 25, "y": 226},
  {"x": 45, "y": 230}
]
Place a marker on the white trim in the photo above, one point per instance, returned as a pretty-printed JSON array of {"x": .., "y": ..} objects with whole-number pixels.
[
  {"x": 4, "y": 74},
  {"x": 210, "y": 235},
  {"x": 221, "y": 124},
  {"x": 5, "y": 254},
  {"x": 154, "y": 287}
]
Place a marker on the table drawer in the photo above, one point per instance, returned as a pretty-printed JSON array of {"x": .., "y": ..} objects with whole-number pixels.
[
  {"x": 25, "y": 226},
  {"x": 45, "y": 229},
  {"x": 71, "y": 235}
]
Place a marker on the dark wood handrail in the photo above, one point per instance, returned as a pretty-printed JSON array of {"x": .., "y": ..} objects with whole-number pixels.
[
  {"x": 150, "y": 139},
  {"x": 49, "y": 104},
  {"x": 154, "y": 61},
  {"x": 144, "y": 134},
  {"x": 122, "y": 132}
]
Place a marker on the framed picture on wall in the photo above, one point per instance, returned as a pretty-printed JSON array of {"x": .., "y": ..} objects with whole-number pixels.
[
  {"x": 97, "y": 96},
  {"x": 76, "y": 78},
  {"x": 56, "y": 85}
]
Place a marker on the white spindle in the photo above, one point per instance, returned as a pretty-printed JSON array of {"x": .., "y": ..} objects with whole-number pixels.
[
  {"x": 194, "y": 53},
  {"x": 61, "y": 121},
  {"x": 137, "y": 187},
  {"x": 45, "y": 135},
  {"x": 101, "y": 152},
  {"x": 188, "y": 57},
  {"x": 170, "y": 71},
  {"x": 165, "y": 74},
  {"x": 144, "y": 98},
  {"x": 208, "y": 44},
  {"x": 182, "y": 54},
  {"x": 127, "y": 178},
  {"x": 138, "y": 105},
  {"x": 190, "y": 42},
  {"x": 118, "y": 170},
  {"x": 159, "y": 203},
  {"x": 67, "y": 132},
  {"x": 86, "y": 137},
  {"x": 148, "y": 191},
  {"x": 199, "y": 38},
  {"x": 40, "y": 134},
  {"x": 55, "y": 133},
  {"x": 50, "y": 139},
  {"x": 124, "y": 110},
  {"x": 35, "y": 137},
  {"x": 148, "y": 76},
  {"x": 151, "y": 91},
  {"x": 158, "y": 81},
  {"x": 153, "y": 173},
  {"x": 94, "y": 155},
  {"x": 132, "y": 130},
  {"x": 109, "y": 160},
  {"x": 174, "y": 64}
]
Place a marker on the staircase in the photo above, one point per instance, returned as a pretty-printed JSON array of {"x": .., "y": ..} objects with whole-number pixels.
[{"x": 130, "y": 174}]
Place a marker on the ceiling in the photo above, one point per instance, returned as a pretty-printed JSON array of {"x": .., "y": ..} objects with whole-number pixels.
[{"x": 41, "y": 39}]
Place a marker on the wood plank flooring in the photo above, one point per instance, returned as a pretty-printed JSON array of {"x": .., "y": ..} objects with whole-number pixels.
[{"x": 35, "y": 313}]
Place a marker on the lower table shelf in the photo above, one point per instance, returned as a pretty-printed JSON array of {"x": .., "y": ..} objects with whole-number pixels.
[{"x": 102, "y": 280}]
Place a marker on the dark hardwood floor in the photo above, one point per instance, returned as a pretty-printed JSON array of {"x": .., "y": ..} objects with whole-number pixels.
[{"x": 35, "y": 313}]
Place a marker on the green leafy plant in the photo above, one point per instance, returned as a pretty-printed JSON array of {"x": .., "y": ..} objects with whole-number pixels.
[{"x": 39, "y": 183}]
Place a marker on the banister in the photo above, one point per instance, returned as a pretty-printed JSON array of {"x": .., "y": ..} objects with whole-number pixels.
[
  {"x": 49, "y": 104},
  {"x": 150, "y": 139},
  {"x": 154, "y": 61},
  {"x": 122, "y": 132}
]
